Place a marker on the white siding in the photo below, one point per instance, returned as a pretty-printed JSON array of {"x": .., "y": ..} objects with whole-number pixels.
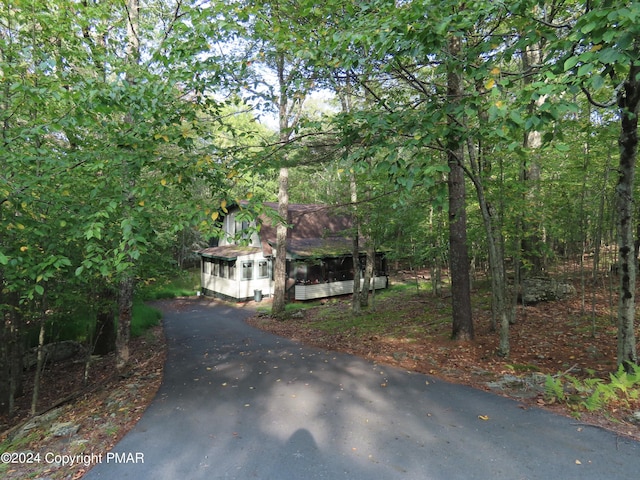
[
  {"x": 236, "y": 287},
  {"x": 322, "y": 290}
]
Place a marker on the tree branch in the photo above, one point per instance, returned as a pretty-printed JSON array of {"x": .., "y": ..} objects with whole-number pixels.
[{"x": 594, "y": 102}]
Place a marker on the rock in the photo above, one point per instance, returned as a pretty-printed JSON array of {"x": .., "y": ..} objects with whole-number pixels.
[
  {"x": 507, "y": 382},
  {"x": 542, "y": 289},
  {"x": 36, "y": 422},
  {"x": 529, "y": 386},
  {"x": 54, "y": 352},
  {"x": 298, "y": 314},
  {"x": 635, "y": 417},
  {"x": 64, "y": 429}
]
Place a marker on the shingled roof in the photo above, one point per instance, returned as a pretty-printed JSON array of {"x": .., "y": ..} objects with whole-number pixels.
[{"x": 315, "y": 230}]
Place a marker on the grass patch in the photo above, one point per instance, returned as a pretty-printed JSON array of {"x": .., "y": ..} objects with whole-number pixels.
[
  {"x": 186, "y": 284},
  {"x": 389, "y": 318},
  {"x": 294, "y": 307},
  {"x": 143, "y": 317}
]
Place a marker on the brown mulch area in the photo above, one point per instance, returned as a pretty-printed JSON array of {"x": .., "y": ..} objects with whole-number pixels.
[
  {"x": 103, "y": 410},
  {"x": 548, "y": 338}
]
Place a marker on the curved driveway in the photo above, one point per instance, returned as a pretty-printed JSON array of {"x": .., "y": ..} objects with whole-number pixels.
[{"x": 238, "y": 403}]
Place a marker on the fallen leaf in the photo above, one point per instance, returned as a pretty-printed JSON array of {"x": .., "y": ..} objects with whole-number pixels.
[{"x": 483, "y": 417}]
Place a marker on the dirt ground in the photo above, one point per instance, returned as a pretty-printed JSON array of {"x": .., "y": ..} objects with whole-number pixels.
[{"x": 548, "y": 338}]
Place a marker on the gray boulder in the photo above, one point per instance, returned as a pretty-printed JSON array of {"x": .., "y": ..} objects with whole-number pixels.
[
  {"x": 544, "y": 289},
  {"x": 64, "y": 429},
  {"x": 54, "y": 352}
]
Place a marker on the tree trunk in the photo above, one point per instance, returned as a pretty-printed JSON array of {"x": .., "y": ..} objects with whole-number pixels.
[
  {"x": 280, "y": 261},
  {"x": 368, "y": 282},
  {"x": 11, "y": 354},
  {"x": 628, "y": 102},
  {"x": 123, "y": 333},
  {"x": 458, "y": 250},
  {"x": 39, "y": 365},
  {"x": 532, "y": 245},
  {"x": 355, "y": 299},
  {"x": 105, "y": 334},
  {"x": 500, "y": 309},
  {"x": 284, "y": 125},
  {"x": 127, "y": 282}
]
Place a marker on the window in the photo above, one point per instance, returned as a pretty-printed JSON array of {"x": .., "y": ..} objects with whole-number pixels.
[
  {"x": 232, "y": 269},
  {"x": 247, "y": 270},
  {"x": 263, "y": 269},
  {"x": 241, "y": 226}
]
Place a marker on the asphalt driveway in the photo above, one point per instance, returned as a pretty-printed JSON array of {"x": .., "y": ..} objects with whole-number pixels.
[{"x": 238, "y": 403}]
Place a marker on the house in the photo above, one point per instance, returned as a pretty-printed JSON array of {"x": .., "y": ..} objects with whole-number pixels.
[{"x": 319, "y": 256}]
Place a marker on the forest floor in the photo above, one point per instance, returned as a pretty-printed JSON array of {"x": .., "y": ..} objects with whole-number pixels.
[
  {"x": 76, "y": 420},
  {"x": 409, "y": 329}
]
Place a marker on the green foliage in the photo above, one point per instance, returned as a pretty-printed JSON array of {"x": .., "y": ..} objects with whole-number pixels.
[
  {"x": 554, "y": 389},
  {"x": 182, "y": 284},
  {"x": 143, "y": 318},
  {"x": 594, "y": 394},
  {"x": 103, "y": 178}
]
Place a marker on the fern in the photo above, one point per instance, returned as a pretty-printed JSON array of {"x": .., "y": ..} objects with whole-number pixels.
[
  {"x": 553, "y": 389},
  {"x": 595, "y": 393},
  {"x": 594, "y": 401}
]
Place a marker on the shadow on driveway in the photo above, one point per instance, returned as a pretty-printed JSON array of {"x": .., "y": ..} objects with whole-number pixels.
[{"x": 239, "y": 403}]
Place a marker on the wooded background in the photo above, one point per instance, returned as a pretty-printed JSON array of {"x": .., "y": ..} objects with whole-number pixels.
[{"x": 495, "y": 138}]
